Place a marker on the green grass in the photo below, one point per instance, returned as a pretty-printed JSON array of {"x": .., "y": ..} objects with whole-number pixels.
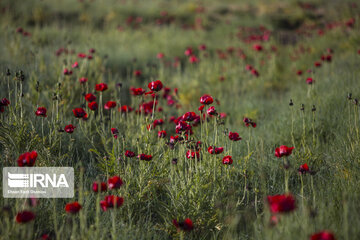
[{"x": 224, "y": 202}]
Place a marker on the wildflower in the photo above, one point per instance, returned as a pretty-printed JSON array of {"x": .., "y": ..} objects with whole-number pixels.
[
  {"x": 257, "y": 47},
  {"x": 299, "y": 72},
  {"x": 161, "y": 134},
  {"x": 69, "y": 128},
  {"x": 160, "y": 55},
  {"x": 281, "y": 203},
  {"x": 115, "y": 182},
  {"x": 93, "y": 106},
  {"x": 317, "y": 64},
  {"x": 189, "y": 116},
  {"x": 304, "y": 169},
  {"x": 109, "y": 105},
  {"x": 323, "y": 235},
  {"x": 192, "y": 154},
  {"x": 101, "y": 87},
  {"x": 129, "y": 154},
  {"x": 115, "y": 132},
  {"x": 99, "y": 186},
  {"x": 193, "y": 59},
  {"x": 82, "y": 55},
  {"x": 206, "y": 99},
  {"x": 234, "y": 136},
  {"x": 155, "y": 86},
  {"x": 67, "y": 72},
  {"x": 125, "y": 108},
  {"x": 90, "y": 97},
  {"x": 25, "y": 217},
  {"x": 227, "y": 160},
  {"x": 137, "y": 91},
  {"x": 310, "y": 80},
  {"x": 27, "y": 159},
  {"x": 137, "y": 73},
  {"x": 73, "y": 207},
  {"x": 79, "y": 113},
  {"x": 189, "y": 51},
  {"x": 211, "y": 111},
  {"x": 283, "y": 151},
  {"x": 186, "y": 225},
  {"x": 83, "y": 80},
  {"x": 215, "y": 150},
  {"x": 144, "y": 157},
  {"x": 202, "y": 47},
  {"x": 75, "y": 65},
  {"x": 111, "y": 201},
  {"x": 249, "y": 122},
  {"x": 41, "y": 111}
]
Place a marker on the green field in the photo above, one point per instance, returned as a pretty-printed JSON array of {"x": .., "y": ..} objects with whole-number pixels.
[{"x": 291, "y": 67}]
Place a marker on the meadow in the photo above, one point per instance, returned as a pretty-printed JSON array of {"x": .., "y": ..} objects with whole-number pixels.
[{"x": 183, "y": 119}]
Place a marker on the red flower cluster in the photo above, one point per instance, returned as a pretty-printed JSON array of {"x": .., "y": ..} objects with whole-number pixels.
[
  {"x": 99, "y": 186},
  {"x": 111, "y": 201},
  {"x": 115, "y": 182},
  {"x": 144, "y": 157},
  {"x": 27, "y": 159},
  {"x": 281, "y": 203},
  {"x": 25, "y": 217},
  {"x": 324, "y": 235},
  {"x": 249, "y": 122},
  {"x": 234, "y": 136},
  {"x": 215, "y": 150},
  {"x": 283, "y": 151},
  {"x": 73, "y": 207}
]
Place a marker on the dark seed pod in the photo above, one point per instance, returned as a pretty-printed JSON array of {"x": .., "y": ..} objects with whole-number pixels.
[
  {"x": 356, "y": 101},
  {"x": 291, "y": 103},
  {"x": 174, "y": 161},
  {"x": 302, "y": 107},
  {"x": 349, "y": 96},
  {"x": 313, "y": 108},
  {"x": 8, "y": 73}
]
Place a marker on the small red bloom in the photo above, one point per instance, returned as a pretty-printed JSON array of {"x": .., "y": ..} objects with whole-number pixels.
[
  {"x": 299, "y": 72},
  {"x": 255, "y": 72},
  {"x": 227, "y": 160},
  {"x": 155, "y": 86},
  {"x": 79, "y": 113},
  {"x": 324, "y": 235},
  {"x": 188, "y": 51},
  {"x": 281, "y": 203},
  {"x": 82, "y": 55},
  {"x": 115, "y": 182},
  {"x": 27, "y": 159},
  {"x": 75, "y": 65},
  {"x": 215, "y": 150},
  {"x": 211, "y": 111},
  {"x": 206, "y": 99},
  {"x": 125, "y": 108},
  {"x": 69, "y": 128},
  {"x": 162, "y": 134},
  {"x": 83, "y": 80},
  {"x": 137, "y": 91},
  {"x": 304, "y": 169},
  {"x": 186, "y": 225},
  {"x": 129, "y": 154},
  {"x": 189, "y": 116},
  {"x": 67, "y": 71},
  {"x": 137, "y": 73},
  {"x": 234, "y": 136},
  {"x": 115, "y": 132},
  {"x": 193, "y": 59},
  {"x": 317, "y": 64},
  {"x": 41, "y": 111},
  {"x": 192, "y": 154},
  {"x": 144, "y": 157},
  {"x": 4, "y": 102},
  {"x": 283, "y": 151},
  {"x": 101, "y": 87},
  {"x": 93, "y": 106},
  {"x": 109, "y": 105},
  {"x": 25, "y": 217},
  {"x": 73, "y": 207},
  {"x": 111, "y": 201},
  {"x": 202, "y": 47},
  {"x": 160, "y": 55},
  {"x": 257, "y": 47},
  {"x": 310, "y": 80},
  {"x": 102, "y": 186},
  {"x": 90, "y": 97},
  {"x": 201, "y": 108},
  {"x": 249, "y": 122}
]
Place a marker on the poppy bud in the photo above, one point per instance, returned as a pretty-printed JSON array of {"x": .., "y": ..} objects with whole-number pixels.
[
  {"x": 302, "y": 107},
  {"x": 291, "y": 102},
  {"x": 356, "y": 101},
  {"x": 8, "y": 73},
  {"x": 313, "y": 108},
  {"x": 349, "y": 96}
]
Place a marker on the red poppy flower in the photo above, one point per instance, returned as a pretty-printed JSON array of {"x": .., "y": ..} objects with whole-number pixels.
[
  {"x": 234, "y": 136},
  {"x": 90, "y": 97},
  {"x": 162, "y": 134},
  {"x": 189, "y": 116},
  {"x": 310, "y": 80},
  {"x": 257, "y": 47},
  {"x": 125, "y": 108},
  {"x": 211, "y": 111},
  {"x": 96, "y": 186},
  {"x": 82, "y": 55},
  {"x": 115, "y": 182},
  {"x": 4, "y": 102},
  {"x": 69, "y": 128},
  {"x": 193, "y": 59},
  {"x": 137, "y": 73},
  {"x": 192, "y": 154},
  {"x": 317, "y": 64},
  {"x": 41, "y": 111},
  {"x": 67, "y": 71},
  {"x": 129, "y": 154},
  {"x": 324, "y": 235},
  {"x": 101, "y": 87},
  {"x": 91, "y": 50},
  {"x": 79, "y": 113},
  {"x": 215, "y": 150},
  {"x": 281, "y": 203},
  {"x": 75, "y": 65},
  {"x": 206, "y": 99},
  {"x": 111, "y": 201},
  {"x": 249, "y": 122},
  {"x": 202, "y": 47},
  {"x": 115, "y": 132},
  {"x": 186, "y": 225},
  {"x": 25, "y": 217},
  {"x": 304, "y": 169},
  {"x": 283, "y": 151},
  {"x": 299, "y": 72},
  {"x": 27, "y": 159},
  {"x": 83, "y": 80},
  {"x": 93, "y": 106},
  {"x": 255, "y": 72},
  {"x": 188, "y": 51},
  {"x": 201, "y": 108},
  {"x": 73, "y": 207},
  {"x": 155, "y": 86},
  {"x": 160, "y": 55},
  {"x": 109, "y": 105},
  {"x": 137, "y": 91},
  {"x": 249, "y": 67},
  {"x": 144, "y": 157},
  {"x": 227, "y": 160},
  {"x": 182, "y": 126}
]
